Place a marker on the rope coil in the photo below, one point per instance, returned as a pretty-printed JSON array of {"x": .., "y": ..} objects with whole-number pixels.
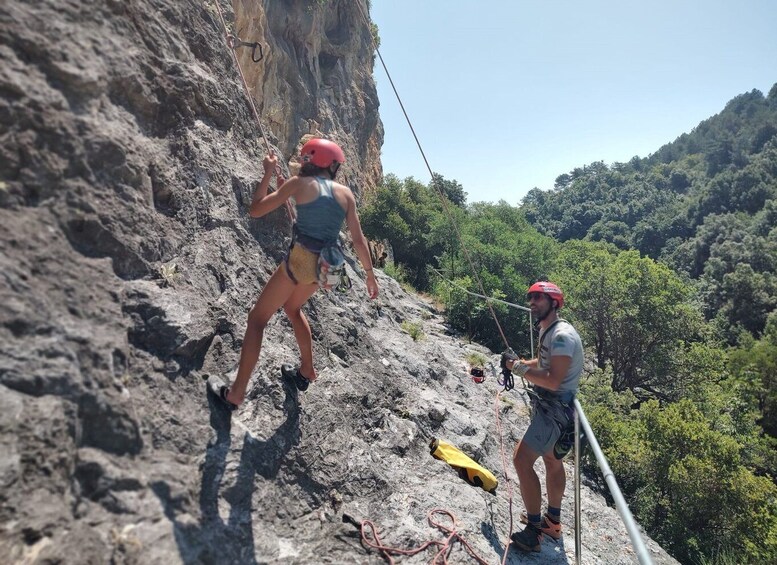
[{"x": 440, "y": 558}]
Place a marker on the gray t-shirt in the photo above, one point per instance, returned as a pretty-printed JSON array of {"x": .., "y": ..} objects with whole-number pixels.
[{"x": 562, "y": 340}]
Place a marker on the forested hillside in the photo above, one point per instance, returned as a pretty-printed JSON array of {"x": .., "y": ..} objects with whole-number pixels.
[
  {"x": 705, "y": 204},
  {"x": 668, "y": 267}
]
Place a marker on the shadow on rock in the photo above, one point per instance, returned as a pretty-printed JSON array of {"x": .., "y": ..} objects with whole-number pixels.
[
  {"x": 215, "y": 540},
  {"x": 490, "y": 534}
]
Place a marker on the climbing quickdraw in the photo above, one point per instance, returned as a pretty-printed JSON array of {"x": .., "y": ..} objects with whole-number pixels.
[
  {"x": 507, "y": 379},
  {"x": 344, "y": 282},
  {"x": 234, "y": 42}
]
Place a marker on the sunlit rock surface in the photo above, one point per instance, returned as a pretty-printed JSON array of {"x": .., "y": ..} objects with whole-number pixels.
[{"x": 128, "y": 157}]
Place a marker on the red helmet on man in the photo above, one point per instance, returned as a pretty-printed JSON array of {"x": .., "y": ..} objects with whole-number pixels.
[
  {"x": 545, "y": 287},
  {"x": 322, "y": 153}
]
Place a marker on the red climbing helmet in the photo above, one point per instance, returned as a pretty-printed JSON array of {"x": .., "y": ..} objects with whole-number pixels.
[
  {"x": 322, "y": 153},
  {"x": 553, "y": 291}
]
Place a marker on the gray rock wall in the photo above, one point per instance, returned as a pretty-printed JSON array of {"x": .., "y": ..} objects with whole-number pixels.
[{"x": 127, "y": 267}]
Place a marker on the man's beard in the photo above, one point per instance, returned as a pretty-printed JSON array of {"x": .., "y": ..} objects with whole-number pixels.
[{"x": 544, "y": 315}]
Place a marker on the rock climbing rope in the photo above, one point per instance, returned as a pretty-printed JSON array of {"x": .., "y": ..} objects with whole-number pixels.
[
  {"x": 467, "y": 255},
  {"x": 440, "y": 558},
  {"x": 233, "y": 42}
]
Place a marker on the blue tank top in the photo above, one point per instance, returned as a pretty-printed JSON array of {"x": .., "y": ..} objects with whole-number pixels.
[{"x": 323, "y": 217}]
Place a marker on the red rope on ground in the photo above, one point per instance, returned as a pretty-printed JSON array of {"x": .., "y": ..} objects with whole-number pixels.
[{"x": 440, "y": 558}]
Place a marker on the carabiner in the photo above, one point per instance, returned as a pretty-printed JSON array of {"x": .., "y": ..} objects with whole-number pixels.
[{"x": 234, "y": 42}]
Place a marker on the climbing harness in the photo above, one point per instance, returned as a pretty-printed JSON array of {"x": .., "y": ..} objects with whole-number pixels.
[{"x": 330, "y": 269}]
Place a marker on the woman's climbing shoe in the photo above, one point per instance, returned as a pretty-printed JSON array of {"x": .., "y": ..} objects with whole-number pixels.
[
  {"x": 292, "y": 374},
  {"x": 220, "y": 390},
  {"x": 530, "y": 539}
]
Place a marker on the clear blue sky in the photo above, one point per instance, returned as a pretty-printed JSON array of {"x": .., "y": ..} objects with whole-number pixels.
[{"x": 507, "y": 95}]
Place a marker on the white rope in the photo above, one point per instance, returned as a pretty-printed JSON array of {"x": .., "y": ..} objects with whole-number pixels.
[{"x": 516, "y": 306}]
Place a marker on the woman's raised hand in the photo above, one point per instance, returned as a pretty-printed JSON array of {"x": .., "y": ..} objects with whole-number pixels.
[{"x": 270, "y": 163}]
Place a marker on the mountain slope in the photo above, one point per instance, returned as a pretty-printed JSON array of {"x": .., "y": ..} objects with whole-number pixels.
[
  {"x": 128, "y": 267},
  {"x": 704, "y": 204}
]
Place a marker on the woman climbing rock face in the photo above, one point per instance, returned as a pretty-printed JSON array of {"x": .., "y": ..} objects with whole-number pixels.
[{"x": 322, "y": 205}]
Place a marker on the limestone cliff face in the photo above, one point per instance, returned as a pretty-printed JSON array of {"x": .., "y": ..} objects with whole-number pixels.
[
  {"x": 316, "y": 77},
  {"x": 128, "y": 155}
]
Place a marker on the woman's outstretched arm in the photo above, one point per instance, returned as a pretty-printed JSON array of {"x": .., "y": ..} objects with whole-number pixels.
[{"x": 360, "y": 244}]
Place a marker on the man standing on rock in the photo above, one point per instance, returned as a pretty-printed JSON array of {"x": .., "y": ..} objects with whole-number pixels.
[
  {"x": 322, "y": 206},
  {"x": 554, "y": 375}
]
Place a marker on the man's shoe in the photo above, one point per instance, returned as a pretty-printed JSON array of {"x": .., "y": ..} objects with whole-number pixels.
[
  {"x": 547, "y": 526},
  {"x": 529, "y": 539}
]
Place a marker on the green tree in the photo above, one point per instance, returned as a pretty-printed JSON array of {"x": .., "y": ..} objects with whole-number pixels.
[
  {"x": 404, "y": 212},
  {"x": 755, "y": 366},
  {"x": 748, "y": 297},
  {"x": 611, "y": 231},
  {"x": 634, "y": 312},
  {"x": 686, "y": 484},
  {"x": 452, "y": 190},
  {"x": 672, "y": 204}
]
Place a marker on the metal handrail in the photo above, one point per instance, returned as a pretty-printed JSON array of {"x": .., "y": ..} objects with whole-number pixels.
[
  {"x": 620, "y": 503},
  {"x": 578, "y": 537},
  {"x": 492, "y": 299}
]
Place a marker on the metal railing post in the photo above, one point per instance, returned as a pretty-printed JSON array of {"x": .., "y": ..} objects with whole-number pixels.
[
  {"x": 578, "y": 521},
  {"x": 620, "y": 503}
]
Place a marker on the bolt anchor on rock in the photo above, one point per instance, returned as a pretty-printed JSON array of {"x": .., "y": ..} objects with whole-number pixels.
[{"x": 234, "y": 42}]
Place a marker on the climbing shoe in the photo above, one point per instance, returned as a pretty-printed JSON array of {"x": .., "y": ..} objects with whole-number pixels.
[
  {"x": 547, "y": 525},
  {"x": 529, "y": 539},
  {"x": 219, "y": 390},
  {"x": 292, "y": 374}
]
